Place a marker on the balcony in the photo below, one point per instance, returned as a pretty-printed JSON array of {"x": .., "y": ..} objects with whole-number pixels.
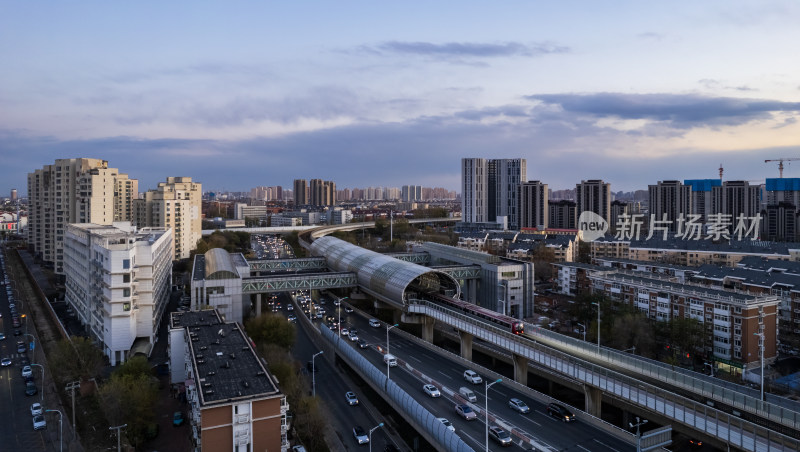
[{"x": 242, "y": 418}]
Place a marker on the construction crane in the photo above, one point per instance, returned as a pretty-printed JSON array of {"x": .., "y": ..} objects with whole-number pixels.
[{"x": 780, "y": 163}]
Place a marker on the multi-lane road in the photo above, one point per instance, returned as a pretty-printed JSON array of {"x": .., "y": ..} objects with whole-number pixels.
[
  {"x": 446, "y": 374},
  {"x": 16, "y": 428}
]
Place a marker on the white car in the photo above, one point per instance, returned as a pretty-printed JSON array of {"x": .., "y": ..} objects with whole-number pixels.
[
  {"x": 360, "y": 435},
  {"x": 472, "y": 377},
  {"x": 39, "y": 422},
  {"x": 446, "y": 423},
  {"x": 26, "y": 371},
  {"x": 375, "y": 323},
  {"x": 345, "y": 332},
  {"x": 519, "y": 405},
  {"x": 36, "y": 409},
  {"x": 353, "y": 337},
  {"x": 351, "y": 398},
  {"x": 431, "y": 390}
]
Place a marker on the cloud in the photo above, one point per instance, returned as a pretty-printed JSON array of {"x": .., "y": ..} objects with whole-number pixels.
[
  {"x": 467, "y": 49},
  {"x": 709, "y": 83},
  {"x": 679, "y": 110},
  {"x": 651, "y": 35},
  {"x": 786, "y": 122}
]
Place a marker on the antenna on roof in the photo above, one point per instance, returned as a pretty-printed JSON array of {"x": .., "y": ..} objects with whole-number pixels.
[{"x": 221, "y": 333}]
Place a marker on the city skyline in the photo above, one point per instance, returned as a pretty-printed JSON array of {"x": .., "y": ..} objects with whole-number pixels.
[{"x": 261, "y": 94}]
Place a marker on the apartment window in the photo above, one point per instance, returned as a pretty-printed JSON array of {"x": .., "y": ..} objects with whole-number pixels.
[
  {"x": 126, "y": 277},
  {"x": 126, "y": 307},
  {"x": 126, "y": 263},
  {"x": 126, "y": 292}
]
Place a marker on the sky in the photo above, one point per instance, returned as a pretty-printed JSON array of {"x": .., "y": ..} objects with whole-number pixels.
[{"x": 239, "y": 94}]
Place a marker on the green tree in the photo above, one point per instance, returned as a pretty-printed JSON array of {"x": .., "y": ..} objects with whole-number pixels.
[
  {"x": 77, "y": 358},
  {"x": 130, "y": 398},
  {"x": 271, "y": 329},
  {"x": 136, "y": 366}
]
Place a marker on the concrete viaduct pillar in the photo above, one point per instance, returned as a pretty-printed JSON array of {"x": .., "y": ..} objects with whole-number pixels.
[
  {"x": 466, "y": 345},
  {"x": 258, "y": 305},
  {"x": 594, "y": 399},
  {"x": 520, "y": 369},
  {"x": 427, "y": 328}
]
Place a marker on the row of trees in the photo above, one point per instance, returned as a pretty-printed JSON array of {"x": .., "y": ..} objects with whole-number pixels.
[
  {"x": 677, "y": 341},
  {"x": 274, "y": 338}
]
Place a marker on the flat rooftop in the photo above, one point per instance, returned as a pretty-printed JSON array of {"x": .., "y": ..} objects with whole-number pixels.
[{"x": 226, "y": 367}]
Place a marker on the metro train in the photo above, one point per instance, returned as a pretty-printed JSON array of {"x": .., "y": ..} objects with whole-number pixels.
[{"x": 514, "y": 325}]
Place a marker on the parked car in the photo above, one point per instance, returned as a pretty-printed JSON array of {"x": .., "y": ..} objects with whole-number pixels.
[
  {"x": 500, "y": 435},
  {"x": 466, "y": 412},
  {"x": 30, "y": 389},
  {"x": 351, "y": 398},
  {"x": 560, "y": 412},
  {"x": 36, "y": 409},
  {"x": 519, "y": 405},
  {"x": 39, "y": 422},
  {"x": 431, "y": 390},
  {"x": 21, "y": 347},
  {"x": 27, "y": 371},
  {"x": 360, "y": 435},
  {"x": 472, "y": 377}
]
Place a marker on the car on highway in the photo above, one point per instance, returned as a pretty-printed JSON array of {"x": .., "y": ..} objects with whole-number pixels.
[
  {"x": 560, "y": 412},
  {"x": 30, "y": 389},
  {"x": 446, "y": 423},
  {"x": 39, "y": 422},
  {"x": 362, "y": 343},
  {"x": 353, "y": 337},
  {"x": 17, "y": 332},
  {"x": 27, "y": 371},
  {"x": 472, "y": 377},
  {"x": 2, "y": 336},
  {"x": 36, "y": 409},
  {"x": 431, "y": 390},
  {"x": 351, "y": 398},
  {"x": 345, "y": 331},
  {"x": 348, "y": 309},
  {"x": 360, "y": 435},
  {"x": 518, "y": 405},
  {"x": 5, "y": 362},
  {"x": 292, "y": 318},
  {"x": 20, "y": 347},
  {"x": 500, "y": 435},
  {"x": 466, "y": 412},
  {"x": 375, "y": 323}
]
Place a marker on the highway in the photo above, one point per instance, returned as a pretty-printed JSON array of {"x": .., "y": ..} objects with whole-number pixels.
[{"x": 448, "y": 375}]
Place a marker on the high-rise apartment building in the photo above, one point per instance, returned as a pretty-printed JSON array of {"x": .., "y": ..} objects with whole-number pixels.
[
  {"x": 13, "y": 195},
  {"x": 118, "y": 281},
  {"x": 300, "y": 192},
  {"x": 702, "y": 196},
  {"x": 474, "y": 190},
  {"x": 412, "y": 193},
  {"x": 670, "y": 200},
  {"x": 505, "y": 178},
  {"x": 783, "y": 190},
  {"x": 491, "y": 189},
  {"x": 79, "y": 190},
  {"x": 736, "y": 197},
  {"x": 594, "y": 196},
  {"x": 176, "y": 204},
  {"x": 534, "y": 203},
  {"x": 322, "y": 193},
  {"x": 562, "y": 215}
]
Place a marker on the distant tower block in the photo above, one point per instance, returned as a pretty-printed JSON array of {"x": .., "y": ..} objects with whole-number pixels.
[{"x": 13, "y": 195}]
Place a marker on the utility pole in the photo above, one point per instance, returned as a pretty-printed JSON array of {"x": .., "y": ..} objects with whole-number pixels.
[
  {"x": 118, "y": 428},
  {"x": 638, "y": 435},
  {"x": 72, "y": 386}
]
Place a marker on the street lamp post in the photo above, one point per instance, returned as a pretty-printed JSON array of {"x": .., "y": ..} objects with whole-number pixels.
[
  {"x": 761, "y": 350},
  {"x": 486, "y": 408},
  {"x": 60, "y": 428},
  {"x": 370, "y": 434},
  {"x": 314, "y": 374},
  {"x": 72, "y": 386},
  {"x": 598, "y": 325},
  {"x": 584, "y": 331},
  {"x": 638, "y": 436},
  {"x": 387, "y": 348},
  {"x": 118, "y": 428},
  {"x": 505, "y": 296}
]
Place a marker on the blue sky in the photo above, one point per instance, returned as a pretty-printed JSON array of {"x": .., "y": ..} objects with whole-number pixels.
[{"x": 239, "y": 94}]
